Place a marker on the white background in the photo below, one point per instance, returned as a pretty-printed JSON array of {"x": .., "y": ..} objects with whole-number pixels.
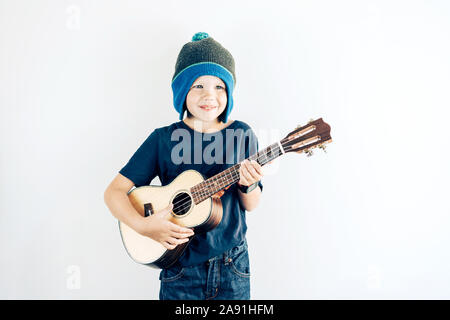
[{"x": 83, "y": 83}]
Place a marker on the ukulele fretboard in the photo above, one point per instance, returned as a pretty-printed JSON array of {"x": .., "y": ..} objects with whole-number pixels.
[{"x": 222, "y": 180}]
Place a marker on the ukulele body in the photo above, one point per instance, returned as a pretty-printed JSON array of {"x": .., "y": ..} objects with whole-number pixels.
[{"x": 202, "y": 217}]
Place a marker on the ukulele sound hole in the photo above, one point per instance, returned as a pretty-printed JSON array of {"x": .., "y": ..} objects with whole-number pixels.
[{"x": 181, "y": 203}]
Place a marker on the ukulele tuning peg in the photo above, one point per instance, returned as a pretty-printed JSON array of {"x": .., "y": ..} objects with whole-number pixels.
[
  {"x": 323, "y": 148},
  {"x": 309, "y": 153},
  {"x": 310, "y": 120},
  {"x": 299, "y": 126}
]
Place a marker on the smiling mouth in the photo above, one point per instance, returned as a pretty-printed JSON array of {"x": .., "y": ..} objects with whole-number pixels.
[{"x": 207, "y": 107}]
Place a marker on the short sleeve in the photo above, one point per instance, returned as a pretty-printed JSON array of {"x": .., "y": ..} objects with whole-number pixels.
[
  {"x": 142, "y": 167},
  {"x": 251, "y": 147}
]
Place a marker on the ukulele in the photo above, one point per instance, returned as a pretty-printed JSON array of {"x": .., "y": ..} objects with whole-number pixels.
[{"x": 196, "y": 201}]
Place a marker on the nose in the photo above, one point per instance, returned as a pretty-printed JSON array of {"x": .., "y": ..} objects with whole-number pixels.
[
  {"x": 208, "y": 98},
  {"x": 209, "y": 95}
]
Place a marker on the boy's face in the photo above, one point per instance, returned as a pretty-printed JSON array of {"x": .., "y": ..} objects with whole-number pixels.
[{"x": 207, "y": 98}]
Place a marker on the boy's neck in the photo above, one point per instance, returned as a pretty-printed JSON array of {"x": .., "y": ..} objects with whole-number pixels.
[{"x": 206, "y": 126}]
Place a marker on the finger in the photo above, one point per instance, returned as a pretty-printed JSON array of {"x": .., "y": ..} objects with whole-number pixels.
[
  {"x": 180, "y": 235},
  {"x": 242, "y": 166},
  {"x": 175, "y": 242},
  {"x": 184, "y": 240},
  {"x": 242, "y": 175},
  {"x": 254, "y": 169},
  {"x": 168, "y": 245},
  {"x": 243, "y": 179},
  {"x": 254, "y": 165},
  {"x": 176, "y": 228},
  {"x": 166, "y": 211},
  {"x": 257, "y": 167},
  {"x": 245, "y": 164},
  {"x": 251, "y": 175},
  {"x": 254, "y": 173}
]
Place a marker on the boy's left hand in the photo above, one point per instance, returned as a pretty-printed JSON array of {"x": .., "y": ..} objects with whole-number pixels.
[{"x": 250, "y": 172}]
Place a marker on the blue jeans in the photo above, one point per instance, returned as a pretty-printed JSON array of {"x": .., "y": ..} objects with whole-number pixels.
[{"x": 224, "y": 277}]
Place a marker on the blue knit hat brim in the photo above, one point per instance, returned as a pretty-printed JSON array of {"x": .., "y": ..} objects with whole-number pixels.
[{"x": 182, "y": 83}]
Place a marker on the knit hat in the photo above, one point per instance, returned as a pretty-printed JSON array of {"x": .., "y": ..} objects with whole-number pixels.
[{"x": 202, "y": 56}]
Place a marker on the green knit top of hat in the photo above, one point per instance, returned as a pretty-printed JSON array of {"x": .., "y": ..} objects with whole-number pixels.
[{"x": 203, "y": 48}]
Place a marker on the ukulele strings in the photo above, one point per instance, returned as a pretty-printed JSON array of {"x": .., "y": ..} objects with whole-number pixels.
[{"x": 185, "y": 202}]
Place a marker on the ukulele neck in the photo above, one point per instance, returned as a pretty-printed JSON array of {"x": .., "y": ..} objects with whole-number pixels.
[{"x": 226, "y": 178}]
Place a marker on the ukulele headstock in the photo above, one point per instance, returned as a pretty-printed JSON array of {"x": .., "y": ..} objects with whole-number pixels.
[{"x": 305, "y": 138}]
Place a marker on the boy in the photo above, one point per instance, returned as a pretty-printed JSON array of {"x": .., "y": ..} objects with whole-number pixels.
[{"x": 215, "y": 265}]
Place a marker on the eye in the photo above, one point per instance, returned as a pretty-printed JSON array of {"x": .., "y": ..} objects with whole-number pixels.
[{"x": 200, "y": 86}]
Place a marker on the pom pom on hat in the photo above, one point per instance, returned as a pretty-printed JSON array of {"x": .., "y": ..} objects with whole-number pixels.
[{"x": 199, "y": 36}]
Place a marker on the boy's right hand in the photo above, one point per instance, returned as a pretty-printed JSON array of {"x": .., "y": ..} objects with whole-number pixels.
[{"x": 159, "y": 228}]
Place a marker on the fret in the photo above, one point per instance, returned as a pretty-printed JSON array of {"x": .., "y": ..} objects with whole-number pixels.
[
  {"x": 223, "y": 181},
  {"x": 214, "y": 182},
  {"x": 272, "y": 151},
  {"x": 265, "y": 156},
  {"x": 230, "y": 174},
  {"x": 269, "y": 153}
]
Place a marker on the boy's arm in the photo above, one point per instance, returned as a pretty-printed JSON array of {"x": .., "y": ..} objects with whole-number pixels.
[
  {"x": 250, "y": 200},
  {"x": 116, "y": 199}
]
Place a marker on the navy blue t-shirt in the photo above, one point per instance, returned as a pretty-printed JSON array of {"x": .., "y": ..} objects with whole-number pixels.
[{"x": 175, "y": 148}]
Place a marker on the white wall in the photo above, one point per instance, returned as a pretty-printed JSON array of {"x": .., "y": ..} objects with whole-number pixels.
[{"x": 84, "y": 82}]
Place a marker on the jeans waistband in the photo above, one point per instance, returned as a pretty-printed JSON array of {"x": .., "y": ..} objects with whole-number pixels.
[{"x": 242, "y": 246}]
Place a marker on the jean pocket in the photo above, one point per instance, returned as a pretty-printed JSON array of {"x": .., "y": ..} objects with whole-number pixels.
[
  {"x": 171, "y": 274},
  {"x": 240, "y": 264}
]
